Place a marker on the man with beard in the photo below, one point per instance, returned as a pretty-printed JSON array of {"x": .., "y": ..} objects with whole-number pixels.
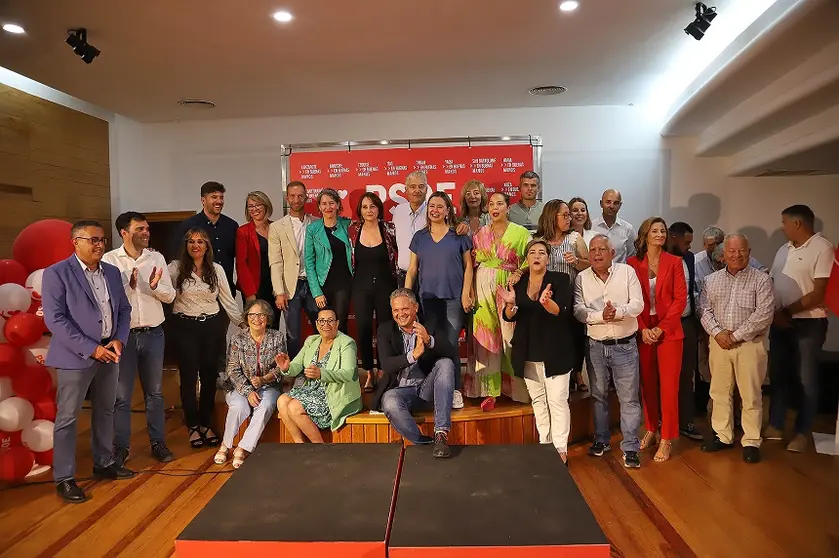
[
  {"x": 147, "y": 284},
  {"x": 621, "y": 234}
]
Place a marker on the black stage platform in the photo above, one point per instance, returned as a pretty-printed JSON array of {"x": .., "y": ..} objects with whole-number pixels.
[{"x": 492, "y": 500}]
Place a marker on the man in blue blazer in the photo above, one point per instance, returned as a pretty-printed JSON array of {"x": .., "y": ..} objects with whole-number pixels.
[{"x": 88, "y": 314}]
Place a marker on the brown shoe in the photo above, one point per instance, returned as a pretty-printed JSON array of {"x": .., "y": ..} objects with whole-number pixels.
[
  {"x": 772, "y": 433},
  {"x": 798, "y": 444}
]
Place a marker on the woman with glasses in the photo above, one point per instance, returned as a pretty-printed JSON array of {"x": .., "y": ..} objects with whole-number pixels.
[
  {"x": 331, "y": 391},
  {"x": 328, "y": 257},
  {"x": 253, "y": 382},
  {"x": 201, "y": 293},
  {"x": 252, "y": 268}
]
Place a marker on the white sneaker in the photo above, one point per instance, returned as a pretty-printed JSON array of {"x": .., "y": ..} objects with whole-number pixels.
[{"x": 457, "y": 400}]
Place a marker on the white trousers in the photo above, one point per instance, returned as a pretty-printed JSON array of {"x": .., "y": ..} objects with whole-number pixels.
[{"x": 550, "y": 405}]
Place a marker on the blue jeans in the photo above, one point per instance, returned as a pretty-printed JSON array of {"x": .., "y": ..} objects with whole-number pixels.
[
  {"x": 302, "y": 300},
  {"x": 621, "y": 363},
  {"x": 143, "y": 355},
  {"x": 445, "y": 316},
  {"x": 101, "y": 378},
  {"x": 794, "y": 359},
  {"x": 436, "y": 388}
]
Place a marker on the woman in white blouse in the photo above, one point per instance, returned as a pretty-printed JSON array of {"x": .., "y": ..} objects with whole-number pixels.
[{"x": 202, "y": 292}]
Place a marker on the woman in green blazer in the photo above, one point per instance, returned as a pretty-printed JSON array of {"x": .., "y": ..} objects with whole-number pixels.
[
  {"x": 331, "y": 391},
  {"x": 328, "y": 257}
]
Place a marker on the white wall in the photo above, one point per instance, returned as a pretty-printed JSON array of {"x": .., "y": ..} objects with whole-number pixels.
[{"x": 160, "y": 167}]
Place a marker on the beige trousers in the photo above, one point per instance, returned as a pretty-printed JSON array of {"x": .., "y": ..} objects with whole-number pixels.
[
  {"x": 745, "y": 365},
  {"x": 550, "y": 405}
]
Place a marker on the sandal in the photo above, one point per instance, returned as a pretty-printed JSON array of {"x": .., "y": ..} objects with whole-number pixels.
[
  {"x": 196, "y": 437},
  {"x": 650, "y": 439},
  {"x": 370, "y": 383},
  {"x": 209, "y": 436},
  {"x": 239, "y": 456},
  {"x": 221, "y": 456},
  {"x": 663, "y": 453}
]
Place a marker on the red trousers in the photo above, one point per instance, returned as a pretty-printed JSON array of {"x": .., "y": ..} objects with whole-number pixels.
[{"x": 661, "y": 365}]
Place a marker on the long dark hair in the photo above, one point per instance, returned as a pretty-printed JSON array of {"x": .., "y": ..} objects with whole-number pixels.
[
  {"x": 643, "y": 231},
  {"x": 186, "y": 265},
  {"x": 450, "y": 215}
]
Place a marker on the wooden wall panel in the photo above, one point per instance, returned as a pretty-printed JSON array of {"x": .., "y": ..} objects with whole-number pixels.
[{"x": 54, "y": 163}]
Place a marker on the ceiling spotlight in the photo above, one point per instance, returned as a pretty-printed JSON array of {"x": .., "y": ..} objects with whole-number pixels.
[
  {"x": 568, "y": 6},
  {"x": 505, "y": 138},
  {"x": 384, "y": 142},
  {"x": 283, "y": 16},
  {"x": 704, "y": 17},
  {"x": 77, "y": 38},
  {"x": 13, "y": 28}
]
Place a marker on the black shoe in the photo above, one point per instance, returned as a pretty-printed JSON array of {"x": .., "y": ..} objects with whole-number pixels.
[
  {"x": 715, "y": 445},
  {"x": 631, "y": 460},
  {"x": 70, "y": 491},
  {"x": 441, "y": 445},
  {"x": 162, "y": 453},
  {"x": 690, "y": 431},
  {"x": 113, "y": 472},
  {"x": 597, "y": 449},
  {"x": 120, "y": 456},
  {"x": 751, "y": 454},
  {"x": 423, "y": 439}
]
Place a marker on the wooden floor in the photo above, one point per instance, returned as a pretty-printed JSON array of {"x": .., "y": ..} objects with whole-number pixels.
[{"x": 695, "y": 505}]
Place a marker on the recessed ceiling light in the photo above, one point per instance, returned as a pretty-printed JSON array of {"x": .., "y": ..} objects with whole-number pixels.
[
  {"x": 13, "y": 28},
  {"x": 384, "y": 142},
  {"x": 546, "y": 90},
  {"x": 568, "y": 6},
  {"x": 283, "y": 16},
  {"x": 505, "y": 138}
]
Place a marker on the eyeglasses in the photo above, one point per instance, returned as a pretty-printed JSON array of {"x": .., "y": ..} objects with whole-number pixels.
[
  {"x": 326, "y": 321},
  {"x": 252, "y": 207},
  {"x": 257, "y": 316},
  {"x": 94, "y": 240}
]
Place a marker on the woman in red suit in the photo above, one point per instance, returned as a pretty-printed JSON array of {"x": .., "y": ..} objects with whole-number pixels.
[
  {"x": 664, "y": 288},
  {"x": 252, "y": 267}
]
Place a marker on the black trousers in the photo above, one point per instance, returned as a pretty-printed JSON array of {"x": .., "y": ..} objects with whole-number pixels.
[
  {"x": 367, "y": 299},
  {"x": 690, "y": 362},
  {"x": 201, "y": 347},
  {"x": 338, "y": 298}
]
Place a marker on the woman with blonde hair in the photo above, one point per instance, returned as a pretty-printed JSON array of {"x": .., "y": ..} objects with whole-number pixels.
[
  {"x": 473, "y": 205},
  {"x": 252, "y": 268},
  {"x": 664, "y": 286}
]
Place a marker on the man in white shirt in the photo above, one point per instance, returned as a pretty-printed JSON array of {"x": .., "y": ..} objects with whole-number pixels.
[
  {"x": 621, "y": 234},
  {"x": 286, "y": 241},
  {"x": 608, "y": 299},
  {"x": 800, "y": 274},
  {"x": 147, "y": 284}
]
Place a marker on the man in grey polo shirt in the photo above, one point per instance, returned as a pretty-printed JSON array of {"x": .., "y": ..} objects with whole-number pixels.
[{"x": 527, "y": 211}]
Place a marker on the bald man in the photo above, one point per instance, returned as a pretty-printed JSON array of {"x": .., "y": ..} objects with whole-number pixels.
[
  {"x": 736, "y": 308},
  {"x": 621, "y": 234}
]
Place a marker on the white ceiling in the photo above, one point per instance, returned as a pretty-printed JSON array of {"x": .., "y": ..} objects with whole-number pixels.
[{"x": 342, "y": 56}]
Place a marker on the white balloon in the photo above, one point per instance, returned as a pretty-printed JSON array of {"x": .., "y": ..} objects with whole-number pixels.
[
  {"x": 15, "y": 414},
  {"x": 37, "y": 353},
  {"x": 13, "y": 299},
  {"x": 37, "y": 436},
  {"x": 5, "y": 388},
  {"x": 33, "y": 283}
]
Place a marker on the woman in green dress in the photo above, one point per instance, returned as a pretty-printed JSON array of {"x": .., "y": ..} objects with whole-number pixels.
[{"x": 331, "y": 391}]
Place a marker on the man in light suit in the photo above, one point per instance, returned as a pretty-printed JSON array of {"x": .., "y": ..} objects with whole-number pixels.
[
  {"x": 86, "y": 310},
  {"x": 286, "y": 238}
]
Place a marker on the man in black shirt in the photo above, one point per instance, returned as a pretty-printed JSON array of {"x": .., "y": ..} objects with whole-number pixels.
[{"x": 220, "y": 228}]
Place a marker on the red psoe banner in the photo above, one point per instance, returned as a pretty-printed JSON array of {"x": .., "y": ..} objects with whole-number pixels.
[{"x": 383, "y": 171}]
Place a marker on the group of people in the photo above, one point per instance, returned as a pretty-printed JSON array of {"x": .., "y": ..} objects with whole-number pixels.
[{"x": 539, "y": 288}]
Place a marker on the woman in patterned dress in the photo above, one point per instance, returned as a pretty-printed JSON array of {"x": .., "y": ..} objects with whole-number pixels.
[
  {"x": 331, "y": 391},
  {"x": 499, "y": 251}
]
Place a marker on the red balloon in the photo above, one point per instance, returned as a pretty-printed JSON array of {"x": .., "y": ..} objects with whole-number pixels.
[
  {"x": 33, "y": 383},
  {"x": 12, "y": 272},
  {"x": 12, "y": 360},
  {"x": 44, "y": 457},
  {"x": 45, "y": 407},
  {"x": 43, "y": 243},
  {"x": 9, "y": 440},
  {"x": 15, "y": 464},
  {"x": 22, "y": 330}
]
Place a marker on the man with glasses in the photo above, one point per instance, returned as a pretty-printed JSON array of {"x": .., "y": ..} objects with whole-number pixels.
[
  {"x": 146, "y": 281},
  {"x": 89, "y": 316},
  {"x": 621, "y": 234}
]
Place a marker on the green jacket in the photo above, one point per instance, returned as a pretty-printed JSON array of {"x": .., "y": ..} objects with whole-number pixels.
[
  {"x": 339, "y": 376},
  {"x": 318, "y": 253}
]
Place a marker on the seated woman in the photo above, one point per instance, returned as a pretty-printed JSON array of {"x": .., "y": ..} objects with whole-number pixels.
[
  {"x": 331, "y": 391},
  {"x": 543, "y": 343},
  {"x": 252, "y": 381}
]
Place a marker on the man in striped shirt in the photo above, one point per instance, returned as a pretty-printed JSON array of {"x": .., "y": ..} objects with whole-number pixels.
[{"x": 736, "y": 308}]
